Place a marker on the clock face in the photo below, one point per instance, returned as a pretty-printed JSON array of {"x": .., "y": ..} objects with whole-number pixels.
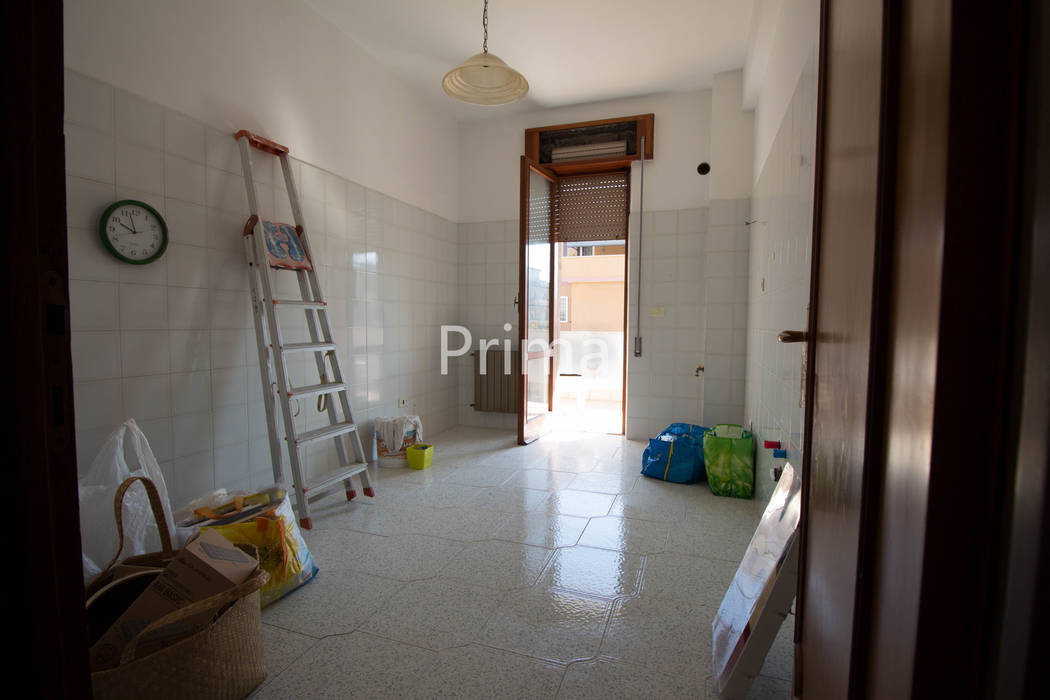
[{"x": 133, "y": 232}]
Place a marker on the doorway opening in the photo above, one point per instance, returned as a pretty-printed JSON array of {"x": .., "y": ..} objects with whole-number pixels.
[
  {"x": 573, "y": 310},
  {"x": 590, "y": 308}
]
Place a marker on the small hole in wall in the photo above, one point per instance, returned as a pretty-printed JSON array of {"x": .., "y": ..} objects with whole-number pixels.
[{"x": 703, "y": 168}]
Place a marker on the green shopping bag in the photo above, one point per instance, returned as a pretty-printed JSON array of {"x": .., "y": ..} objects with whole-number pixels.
[{"x": 729, "y": 457}]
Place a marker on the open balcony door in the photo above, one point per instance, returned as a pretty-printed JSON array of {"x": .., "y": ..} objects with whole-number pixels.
[{"x": 537, "y": 283}]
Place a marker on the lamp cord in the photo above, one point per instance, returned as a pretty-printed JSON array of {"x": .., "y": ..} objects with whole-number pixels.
[{"x": 485, "y": 26}]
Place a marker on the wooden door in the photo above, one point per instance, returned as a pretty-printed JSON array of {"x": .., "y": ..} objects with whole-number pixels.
[
  {"x": 845, "y": 226},
  {"x": 917, "y": 337},
  {"x": 537, "y": 287}
]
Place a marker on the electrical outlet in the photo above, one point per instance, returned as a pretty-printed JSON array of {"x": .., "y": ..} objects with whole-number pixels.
[{"x": 402, "y": 402}]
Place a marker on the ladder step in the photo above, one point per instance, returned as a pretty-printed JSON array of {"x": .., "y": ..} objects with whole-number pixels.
[
  {"x": 306, "y": 347},
  {"x": 314, "y": 389},
  {"x": 329, "y": 480},
  {"x": 328, "y": 431},
  {"x": 301, "y": 303}
]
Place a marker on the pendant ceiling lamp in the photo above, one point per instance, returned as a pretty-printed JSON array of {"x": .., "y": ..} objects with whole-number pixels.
[{"x": 483, "y": 79}]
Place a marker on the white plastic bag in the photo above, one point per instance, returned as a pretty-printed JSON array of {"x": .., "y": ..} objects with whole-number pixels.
[
  {"x": 393, "y": 431},
  {"x": 98, "y": 532}
]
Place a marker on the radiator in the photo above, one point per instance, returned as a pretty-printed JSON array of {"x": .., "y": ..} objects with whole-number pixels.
[{"x": 495, "y": 391}]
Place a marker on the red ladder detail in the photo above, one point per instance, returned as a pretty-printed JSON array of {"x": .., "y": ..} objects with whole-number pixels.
[{"x": 263, "y": 144}]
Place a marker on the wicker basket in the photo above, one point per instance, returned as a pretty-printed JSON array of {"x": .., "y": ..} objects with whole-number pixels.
[{"x": 222, "y": 661}]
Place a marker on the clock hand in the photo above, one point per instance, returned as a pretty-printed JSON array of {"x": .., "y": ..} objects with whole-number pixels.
[{"x": 127, "y": 227}]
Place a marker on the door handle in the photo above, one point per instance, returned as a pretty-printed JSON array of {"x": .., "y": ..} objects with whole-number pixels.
[{"x": 792, "y": 337}]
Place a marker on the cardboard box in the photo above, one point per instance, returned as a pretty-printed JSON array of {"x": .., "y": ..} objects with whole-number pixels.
[{"x": 208, "y": 565}]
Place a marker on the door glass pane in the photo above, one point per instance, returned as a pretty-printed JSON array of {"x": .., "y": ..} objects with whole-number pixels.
[
  {"x": 539, "y": 291},
  {"x": 538, "y": 260},
  {"x": 537, "y": 388}
]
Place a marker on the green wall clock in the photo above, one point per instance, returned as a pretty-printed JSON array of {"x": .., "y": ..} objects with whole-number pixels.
[{"x": 133, "y": 232}]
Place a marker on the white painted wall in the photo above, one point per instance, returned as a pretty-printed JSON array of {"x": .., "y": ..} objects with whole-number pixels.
[
  {"x": 275, "y": 67},
  {"x": 489, "y": 170},
  {"x": 777, "y": 71},
  {"x": 764, "y": 17},
  {"x": 732, "y": 138}
]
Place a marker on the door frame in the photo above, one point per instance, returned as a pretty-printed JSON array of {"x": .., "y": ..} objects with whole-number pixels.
[
  {"x": 531, "y": 430},
  {"x": 40, "y": 435},
  {"x": 1024, "y": 646}
]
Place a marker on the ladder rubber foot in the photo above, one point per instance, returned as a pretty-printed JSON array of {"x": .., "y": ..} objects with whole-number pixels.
[
  {"x": 370, "y": 492},
  {"x": 351, "y": 494},
  {"x": 306, "y": 523}
]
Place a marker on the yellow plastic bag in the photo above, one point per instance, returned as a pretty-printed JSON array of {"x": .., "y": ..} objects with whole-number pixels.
[{"x": 282, "y": 551}]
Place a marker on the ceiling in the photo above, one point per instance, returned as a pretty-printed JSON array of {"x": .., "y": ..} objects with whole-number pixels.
[{"x": 570, "y": 51}]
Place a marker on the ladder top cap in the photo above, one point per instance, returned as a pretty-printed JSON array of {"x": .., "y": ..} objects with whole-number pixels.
[{"x": 263, "y": 144}]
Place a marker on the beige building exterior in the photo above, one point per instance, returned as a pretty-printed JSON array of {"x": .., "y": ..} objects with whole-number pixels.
[{"x": 590, "y": 291}]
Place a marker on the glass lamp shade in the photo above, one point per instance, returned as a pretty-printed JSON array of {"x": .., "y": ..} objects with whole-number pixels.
[{"x": 483, "y": 79}]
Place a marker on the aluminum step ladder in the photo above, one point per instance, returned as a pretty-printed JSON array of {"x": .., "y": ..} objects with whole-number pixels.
[{"x": 271, "y": 247}]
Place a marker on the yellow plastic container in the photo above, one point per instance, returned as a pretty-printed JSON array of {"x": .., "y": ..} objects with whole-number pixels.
[{"x": 419, "y": 456}]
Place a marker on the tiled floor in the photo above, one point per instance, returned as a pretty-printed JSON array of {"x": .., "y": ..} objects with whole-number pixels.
[{"x": 548, "y": 571}]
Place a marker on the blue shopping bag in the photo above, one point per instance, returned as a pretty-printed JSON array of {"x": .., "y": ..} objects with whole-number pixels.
[{"x": 676, "y": 454}]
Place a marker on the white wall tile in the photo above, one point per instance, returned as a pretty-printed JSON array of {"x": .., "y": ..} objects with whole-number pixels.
[
  {"x": 335, "y": 191},
  {"x": 93, "y": 306},
  {"x": 143, "y": 307},
  {"x": 138, "y": 121},
  {"x": 189, "y": 308},
  {"x": 147, "y": 397},
  {"x": 192, "y": 433},
  {"x": 184, "y": 179},
  {"x": 230, "y": 309},
  {"x": 88, "y": 258},
  {"x": 187, "y": 266},
  {"x": 89, "y": 153},
  {"x": 85, "y": 202},
  {"x": 193, "y": 476},
  {"x": 187, "y": 223},
  {"x": 226, "y": 191},
  {"x": 225, "y": 229},
  {"x": 190, "y": 349},
  {"x": 98, "y": 403},
  {"x": 183, "y": 136},
  {"x": 145, "y": 352},
  {"x": 228, "y": 348},
  {"x": 232, "y": 466},
  {"x": 228, "y": 270},
  {"x": 223, "y": 152},
  {"x": 96, "y": 354},
  {"x": 230, "y": 425},
  {"x": 229, "y": 386},
  {"x": 88, "y": 102},
  {"x": 139, "y": 167},
  {"x": 159, "y": 436},
  {"x": 190, "y": 392}
]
